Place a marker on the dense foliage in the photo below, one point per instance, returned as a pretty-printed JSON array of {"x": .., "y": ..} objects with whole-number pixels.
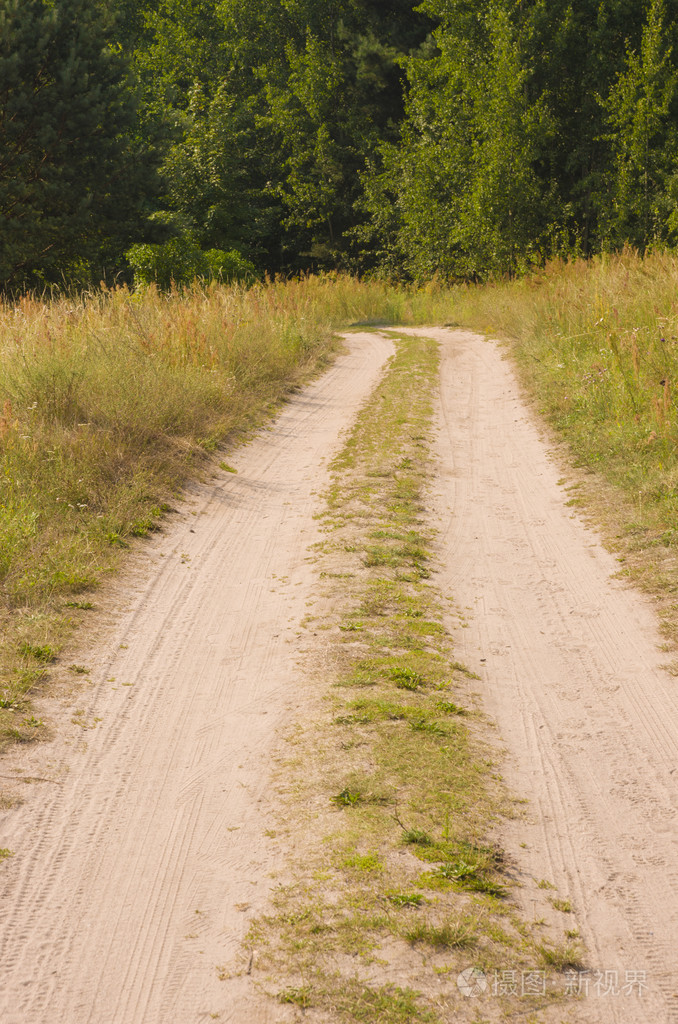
[
  {"x": 443, "y": 137},
  {"x": 537, "y": 128},
  {"x": 74, "y": 179}
]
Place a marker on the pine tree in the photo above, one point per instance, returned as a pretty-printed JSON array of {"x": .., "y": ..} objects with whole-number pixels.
[{"x": 72, "y": 182}]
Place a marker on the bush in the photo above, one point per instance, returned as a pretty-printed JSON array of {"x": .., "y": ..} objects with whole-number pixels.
[{"x": 181, "y": 261}]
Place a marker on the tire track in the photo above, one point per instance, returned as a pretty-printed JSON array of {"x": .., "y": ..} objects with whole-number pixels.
[{"x": 571, "y": 674}]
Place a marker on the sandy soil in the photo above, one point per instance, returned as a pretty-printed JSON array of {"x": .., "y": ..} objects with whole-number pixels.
[
  {"x": 138, "y": 868},
  {"x": 571, "y": 673},
  {"x": 140, "y": 863}
]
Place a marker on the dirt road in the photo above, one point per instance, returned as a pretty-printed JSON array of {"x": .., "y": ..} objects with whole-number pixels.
[{"x": 139, "y": 865}]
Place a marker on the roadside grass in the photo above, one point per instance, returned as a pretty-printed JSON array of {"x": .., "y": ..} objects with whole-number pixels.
[
  {"x": 108, "y": 403},
  {"x": 393, "y": 794},
  {"x": 596, "y": 344}
]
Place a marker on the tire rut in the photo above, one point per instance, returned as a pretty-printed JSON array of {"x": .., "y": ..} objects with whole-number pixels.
[
  {"x": 133, "y": 884},
  {"x": 572, "y": 676}
]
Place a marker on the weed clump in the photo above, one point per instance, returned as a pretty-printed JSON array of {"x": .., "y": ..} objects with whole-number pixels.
[{"x": 459, "y": 934}]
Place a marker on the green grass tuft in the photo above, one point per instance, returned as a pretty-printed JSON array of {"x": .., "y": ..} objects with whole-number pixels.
[{"x": 460, "y": 934}]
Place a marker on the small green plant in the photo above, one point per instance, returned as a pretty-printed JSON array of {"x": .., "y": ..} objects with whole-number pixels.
[
  {"x": 208, "y": 444},
  {"x": 565, "y": 957},
  {"x": 472, "y": 878},
  {"x": 482, "y": 884},
  {"x": 421, "y": 723},
  {"x": 380, "y": 556},
  {"x": 458, "y": 934},
  {"x": 458, "y": 870},
  {"x": 365, "y": 862},
  {"x": 448, "y": 707},
  {"x": 406, "y": 899},
  {"x": 385, "y": 1005},
  {"x": 406, "y": 678},
  {"x": 44, "y": 653},
  {"x": 299, "y": 996},
  {"x": 417, "y": 837},
  {"x": 347, "y": 798},
  {"x": 5, "y": 853},
  {"x": 564, "y": 906},
  {"x": 144, "y": 525}
]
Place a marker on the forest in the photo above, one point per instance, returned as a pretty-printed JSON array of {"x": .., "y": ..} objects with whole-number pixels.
[{"x": 160, "y": 140}]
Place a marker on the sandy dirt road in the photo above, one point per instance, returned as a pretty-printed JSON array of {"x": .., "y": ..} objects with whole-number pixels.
[
  {"x": 137, "y": 872},
  {"x": 571, "y": 674},
  {"x": 138, "y": 869}
]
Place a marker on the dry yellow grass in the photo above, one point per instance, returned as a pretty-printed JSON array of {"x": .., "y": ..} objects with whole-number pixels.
[{"x": 109, "y": 402}]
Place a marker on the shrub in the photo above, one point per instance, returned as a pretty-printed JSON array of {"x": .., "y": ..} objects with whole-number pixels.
[{"x": 180, "y": 261}]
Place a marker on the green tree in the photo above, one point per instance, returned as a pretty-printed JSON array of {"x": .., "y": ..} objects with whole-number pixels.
[
  {"x": 72, "y": 182},
  {"x": 340, "y": 97},
  {"x": 273, "y": 108},
  {"x": 465, "y": 177},
  {"x": 574, "y": 52},
  {"x": 504, "y": 217},
  {"x": 204, "y": 100},
  {"x": 641, "y": 116},
  {"x": 415, "y": 187}
]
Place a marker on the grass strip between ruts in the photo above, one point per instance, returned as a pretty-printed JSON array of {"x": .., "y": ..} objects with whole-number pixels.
[{"x": 394, "y": 791}]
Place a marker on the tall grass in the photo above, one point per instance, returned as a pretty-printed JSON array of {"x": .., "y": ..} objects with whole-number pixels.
[
  {"x": 108, "y": 403},
  {"x": 597, "y": 344}
]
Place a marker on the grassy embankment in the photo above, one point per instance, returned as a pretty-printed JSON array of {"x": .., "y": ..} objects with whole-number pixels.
[
  {"x": 597, "y": 348},
  {"x": 392, "y": 795},
  {"x": 108, "y": 404}
]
